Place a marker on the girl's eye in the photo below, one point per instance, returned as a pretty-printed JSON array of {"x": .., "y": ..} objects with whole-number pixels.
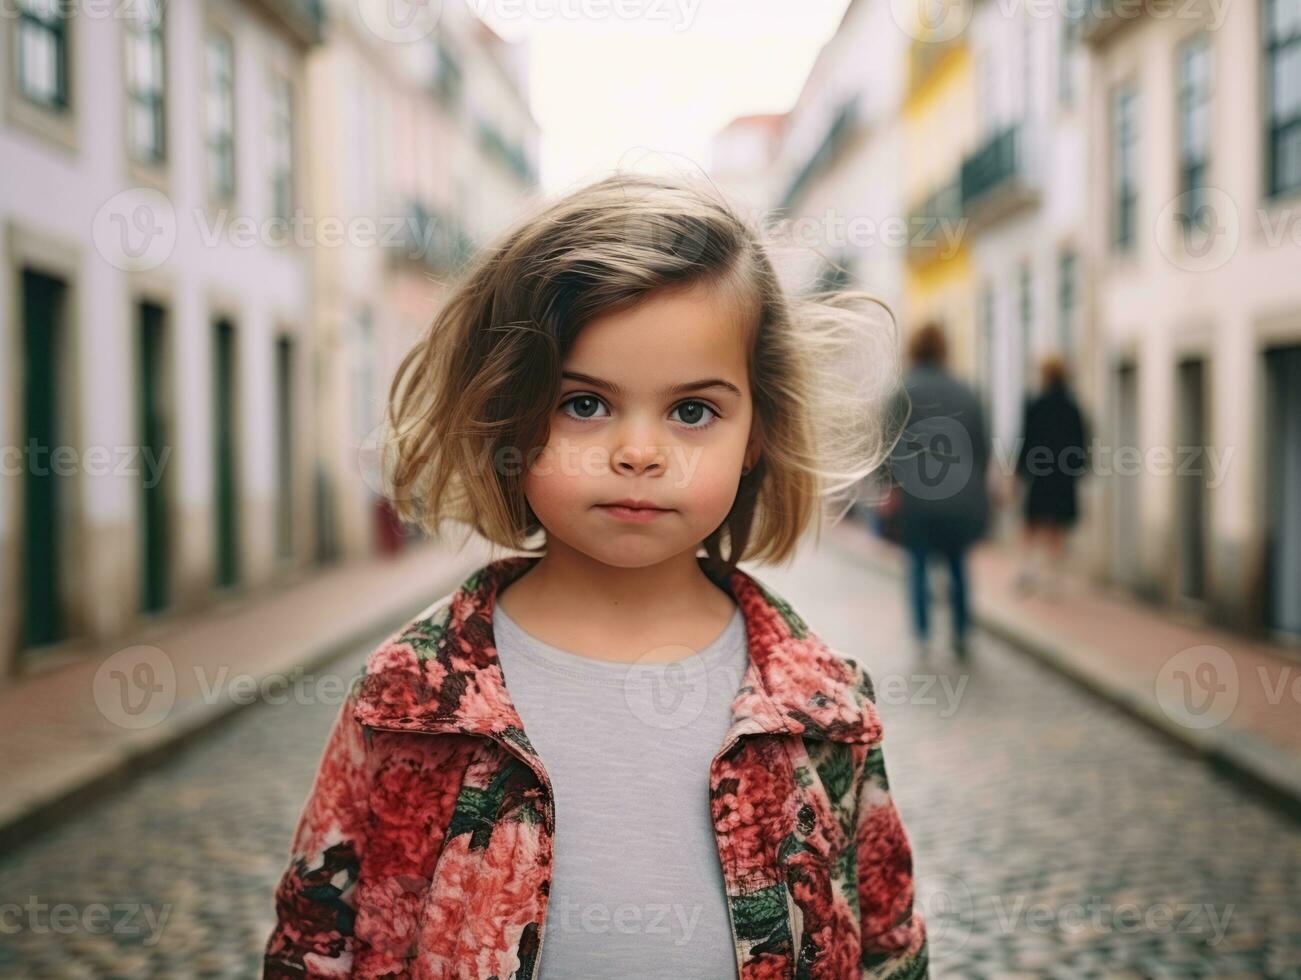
[
  {"x": 691, "y": 412},
  {"x": 587, "y": 404}
]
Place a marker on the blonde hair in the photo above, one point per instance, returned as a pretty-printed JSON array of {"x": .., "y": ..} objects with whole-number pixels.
[{"x": 483, "y": 382}]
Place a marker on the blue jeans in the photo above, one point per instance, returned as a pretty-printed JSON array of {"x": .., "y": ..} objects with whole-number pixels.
[{"x": 918, "y": 552}]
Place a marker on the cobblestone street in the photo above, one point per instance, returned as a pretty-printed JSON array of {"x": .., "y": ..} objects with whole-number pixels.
[{"x": 1054, "y": 836}]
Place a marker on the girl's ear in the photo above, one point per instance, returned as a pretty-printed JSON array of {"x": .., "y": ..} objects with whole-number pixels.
[{"x": 752, "y": 452}]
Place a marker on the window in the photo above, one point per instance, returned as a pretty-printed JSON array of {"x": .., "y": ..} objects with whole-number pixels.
[
  {"x": 1282, "y": 20},
  {"x": 220, "y": 115},
  {"x": 146, "y": 81},
  {"x": 281, "y": 147},
  {"x": 43, "y": 52},
  {"x": 1067, "y": 49},
  {"x": 1194, "y": 124},
  {"x": 1067, "y": 303},
  {"x": 1124, "y": 166}
]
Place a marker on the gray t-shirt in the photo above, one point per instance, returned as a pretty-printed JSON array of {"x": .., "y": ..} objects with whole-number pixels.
[{"x": 637, "y": 887}]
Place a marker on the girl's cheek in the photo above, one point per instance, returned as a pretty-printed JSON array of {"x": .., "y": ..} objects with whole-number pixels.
[
  {"x": 563, "y": 461},
  {"x": 712, "y": 487}
]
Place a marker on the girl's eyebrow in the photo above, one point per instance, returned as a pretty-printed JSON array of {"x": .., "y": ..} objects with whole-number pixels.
[{"x": 677, "y": 389}]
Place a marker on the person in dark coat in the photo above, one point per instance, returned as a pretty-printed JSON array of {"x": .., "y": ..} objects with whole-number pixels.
[
  {"x": 940, "y": 464},
  {"x": 1050, "y": 462}
]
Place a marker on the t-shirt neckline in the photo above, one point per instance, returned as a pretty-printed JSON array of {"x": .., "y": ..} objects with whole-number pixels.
[{"x": 612, "y": 671}]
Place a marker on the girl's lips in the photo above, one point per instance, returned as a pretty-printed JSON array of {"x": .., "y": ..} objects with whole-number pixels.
[{"x": 637, "y": 515}]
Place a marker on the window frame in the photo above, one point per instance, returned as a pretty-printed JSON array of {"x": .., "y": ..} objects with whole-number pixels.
[
  {"x": 141, "y": 31},
  {"x": 225, "y": 142},
  {"x": 55, "y": 28},
  {"x": 1190, "y": 99},
  {"x": 1123, "y": 184},
  {"x": 1274, "y": 130},
  {"x": 282, "y": 158}
]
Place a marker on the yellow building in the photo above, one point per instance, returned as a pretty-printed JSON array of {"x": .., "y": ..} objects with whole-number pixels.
[{"x": 939, "y": 126}]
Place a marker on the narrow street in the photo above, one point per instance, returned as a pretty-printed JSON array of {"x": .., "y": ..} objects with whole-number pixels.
[{"x": 1053, "y": 835}]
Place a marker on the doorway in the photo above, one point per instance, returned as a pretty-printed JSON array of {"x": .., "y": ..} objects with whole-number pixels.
[
  {"x": 1283, "y": 489},
  {"x": 1125, "y": 509},
  {"x": 1191, "y": 461},
  {"x": 225, "y": 463},
  {"x": 45, "y": 487},
  {"x": 153, "y": 412}
]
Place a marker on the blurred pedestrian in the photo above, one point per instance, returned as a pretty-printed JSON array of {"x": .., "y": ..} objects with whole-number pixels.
[
  {"x": 940, "y": 464},
  {"x": 1050, "y": 462}
]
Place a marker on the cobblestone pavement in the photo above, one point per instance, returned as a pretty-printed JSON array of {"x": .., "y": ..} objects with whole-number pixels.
[{"x": 1053, "y": 835}]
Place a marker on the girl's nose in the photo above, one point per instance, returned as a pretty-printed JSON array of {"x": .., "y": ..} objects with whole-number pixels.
[{"x": 639, "y": 459}]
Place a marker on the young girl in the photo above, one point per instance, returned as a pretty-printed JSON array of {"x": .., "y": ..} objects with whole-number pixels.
[{"x": 618, "y": 755}]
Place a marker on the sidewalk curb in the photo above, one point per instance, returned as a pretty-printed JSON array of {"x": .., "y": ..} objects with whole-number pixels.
[
  {"x": 1234, "y": 752},
  {"x": 159, "y": 745}
]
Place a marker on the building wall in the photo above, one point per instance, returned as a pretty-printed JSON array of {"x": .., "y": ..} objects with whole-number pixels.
[
  {"x": 1017, "y": 82},
  {"x": 62, "y": 210},
  {"x": 850, "y": 210},
  {"x": 1162, "y": 303},
  {"x": 396, "y": 143},
  {"x": 938, "y": 130}
]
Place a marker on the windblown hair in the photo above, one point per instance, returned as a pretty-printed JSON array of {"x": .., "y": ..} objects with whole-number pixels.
[{"x": 472, "y": 401}]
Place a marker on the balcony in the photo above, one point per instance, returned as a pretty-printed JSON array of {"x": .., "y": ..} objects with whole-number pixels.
[
  {"x": 1100, "y": 19},
  {"x": 431, "y": 239},
  {"x": 836, "y": 137},
  {"x": 304, "y": 19},
  {"x": 997, "y": 179},
  {"x": 936, "y": 225}
]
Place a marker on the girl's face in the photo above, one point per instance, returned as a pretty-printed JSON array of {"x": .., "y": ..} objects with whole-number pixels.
[{"x": 654, "y": 407}]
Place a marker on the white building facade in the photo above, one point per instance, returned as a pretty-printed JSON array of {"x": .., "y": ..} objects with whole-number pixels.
[
  {"x": 432, "y": 144},
  {"x": 837, "y": 176},
  {"x": 157, "y": 313},
  {"x": 1195, "y": 181},
  {"x": 1023, "y": 189}
]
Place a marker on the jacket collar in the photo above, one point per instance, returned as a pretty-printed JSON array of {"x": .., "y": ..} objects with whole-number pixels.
[{"x": 440, "y": 672}]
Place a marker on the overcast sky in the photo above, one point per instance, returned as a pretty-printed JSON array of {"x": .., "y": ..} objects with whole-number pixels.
[{"x": 613, "y": 91}]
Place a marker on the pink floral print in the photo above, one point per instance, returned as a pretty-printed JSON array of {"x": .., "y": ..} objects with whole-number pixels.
[{"x": 424, "y": 849}]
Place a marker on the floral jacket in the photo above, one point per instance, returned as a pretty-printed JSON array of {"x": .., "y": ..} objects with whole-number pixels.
[{"x": 425, "y": 846}]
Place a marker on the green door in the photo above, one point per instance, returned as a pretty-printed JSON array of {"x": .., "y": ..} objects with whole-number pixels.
[
  {"x": 1283, "y": 479},
  {"x": 154, "y": 543},
  {"x": 43, "y": 308},
  {"x": 226, "y": 488},
  {"x": 284, "y": 447}
]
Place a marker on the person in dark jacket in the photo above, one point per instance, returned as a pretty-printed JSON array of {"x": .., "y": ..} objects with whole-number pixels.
[
  {"x": 940, "y": 464},
  {"x": 1050, "y": 462}
]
